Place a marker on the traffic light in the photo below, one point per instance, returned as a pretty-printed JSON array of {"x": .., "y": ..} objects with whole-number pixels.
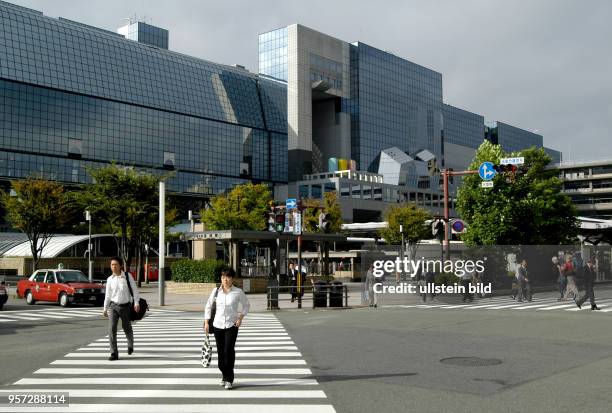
[
  {"x": 280, "y": 220},
  {"x": 271, "y": 214},
  {"x": 324, "y": 221}
]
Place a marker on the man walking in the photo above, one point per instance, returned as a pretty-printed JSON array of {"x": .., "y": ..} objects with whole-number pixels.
[
  {"x": 293, "y": 274},
  {"x": 522, "y": 281},
  {"x": 589, "y": 279},
  {"x": 117, "y": 303}
]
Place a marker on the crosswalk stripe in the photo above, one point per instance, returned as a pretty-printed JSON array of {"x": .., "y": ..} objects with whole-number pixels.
[
  {"x": 123, "y": 362},
  {"x": 197, "y": 338},
  {"x": 179, "y": 408},
  {"x": 51, "y": 315},
  {"x": 198, "y": 343},
  {"x": 19, "y": 317},
  {"x": 182, "y": 349},
  {"x": 199, "y": 332},
  {"x": 239, "y": 355},
  {"x": 183, "y": 381},
  {"x": 177, "y": 370},
  {"x": 190, "y": 394}
]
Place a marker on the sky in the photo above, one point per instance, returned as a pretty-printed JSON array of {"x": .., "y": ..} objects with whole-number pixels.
[{"x": 542, "y": 65}]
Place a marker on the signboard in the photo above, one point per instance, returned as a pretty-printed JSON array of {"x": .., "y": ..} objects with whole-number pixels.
[
  {"x": 289, "y": 222},
  {"x": 486, "y": 184},
  {"x": 297, "y": 223},
  {"x": 458, "y": 226},
  {"x": 512, "y": 161},
  {"x": 486, "y": 171},
  {"x": 291, "y": 203}
]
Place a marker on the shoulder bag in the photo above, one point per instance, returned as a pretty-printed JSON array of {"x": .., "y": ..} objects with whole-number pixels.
[{"x": 136, "y": 315}]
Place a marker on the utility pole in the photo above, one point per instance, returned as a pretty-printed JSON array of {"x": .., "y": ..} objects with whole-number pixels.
[
  {"x": 298, "y": 221},
  {"x": 162, "y": 241},
  {"x": 90, "y": 263}
]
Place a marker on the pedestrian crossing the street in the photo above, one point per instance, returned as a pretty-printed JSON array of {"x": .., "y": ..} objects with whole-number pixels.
[
  {"x": 165, "y": 374},
  {"x": 507, "y": 303},
  {"x": 61, "y": 314}
]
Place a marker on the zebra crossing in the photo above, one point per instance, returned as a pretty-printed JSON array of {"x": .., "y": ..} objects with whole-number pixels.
[
  {"x": 507, "y": 303},
  {"x": 58, "y": 314},
  {"x": 165, "y": 373}
]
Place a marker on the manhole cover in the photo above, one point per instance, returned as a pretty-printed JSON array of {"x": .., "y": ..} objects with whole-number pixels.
[{"x": 470, "y": 361}]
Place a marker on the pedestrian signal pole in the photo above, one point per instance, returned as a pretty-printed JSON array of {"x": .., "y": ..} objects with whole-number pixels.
[{"x": 446, "y": 173}]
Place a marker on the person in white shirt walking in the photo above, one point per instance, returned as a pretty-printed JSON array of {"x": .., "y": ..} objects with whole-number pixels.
[
  {"x": 226, "y": 322},
  {"x": 117, "y": 301}
]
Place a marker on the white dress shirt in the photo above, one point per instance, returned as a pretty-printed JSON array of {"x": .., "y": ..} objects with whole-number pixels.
[
  {"x": 117, "y": 290},
  {"x": 227, "y": 307}
]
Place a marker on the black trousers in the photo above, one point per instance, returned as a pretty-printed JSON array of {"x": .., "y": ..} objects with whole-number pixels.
[
  {"x": 116, "y": 312},
  {"x": 226, "y": 351},
  {"x": 588, "y": 294}
]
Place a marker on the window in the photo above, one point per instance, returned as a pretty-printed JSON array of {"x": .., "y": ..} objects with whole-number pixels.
[
  {"x": 367, "y": 192},
  {"x": 50, "y": 278},
  {"x": 330, "y": 187},
  {"x": 315, "y": 191},
  {"x": 303, "y": 191},
  {"x": 378, "y": 193},
  {"x": 356, "y": 191},
  {"x": 40, "y": 276},
  {"x": 345, "y": 190}
]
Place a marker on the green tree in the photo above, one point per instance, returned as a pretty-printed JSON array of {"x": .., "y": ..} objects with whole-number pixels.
[
  {"x": 330, "y": 206},
  {"x": 39, "y": 209},
  {"x": 528, "y": 211},
  {"x": 412, "y": 219},
  {"x": 126, "y": 202},
  {"x": 244, "y": 207}
]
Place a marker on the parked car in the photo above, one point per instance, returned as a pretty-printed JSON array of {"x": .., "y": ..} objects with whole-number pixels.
[
  {"x": 3, "y": 294},
  {"x": 63, "y": 286}
]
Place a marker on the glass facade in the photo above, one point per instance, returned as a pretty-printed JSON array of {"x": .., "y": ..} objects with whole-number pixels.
[
  {"x": 462, "y": 127},
  {"x": 393, "y": 102},
  {"x": 554, "y": 154},
  {"x": 73, "y": 97},
  {"x": 273, "y": 54},
  {"x": 512, "y": 138},
  {"x": 145, "y": 33}
]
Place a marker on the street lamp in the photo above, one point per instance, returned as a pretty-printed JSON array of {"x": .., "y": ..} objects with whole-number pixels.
[{"x": 90, "y": 263}]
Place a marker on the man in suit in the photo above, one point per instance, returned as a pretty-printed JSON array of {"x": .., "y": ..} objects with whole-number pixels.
[
  {"x": 293, "y": 274},
  {"x": 589, "y": 278}
]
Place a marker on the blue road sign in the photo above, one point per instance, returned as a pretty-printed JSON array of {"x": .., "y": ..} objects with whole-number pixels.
[
  {"x": 291, "y": 203},
  {"x": 486, "y": 171}
]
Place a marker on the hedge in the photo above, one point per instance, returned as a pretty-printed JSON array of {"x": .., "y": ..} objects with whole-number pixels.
[{"x": 191, "y": 271}]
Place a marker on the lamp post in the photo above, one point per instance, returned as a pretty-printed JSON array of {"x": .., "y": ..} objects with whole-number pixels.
[{"x": 90, "y": 263}]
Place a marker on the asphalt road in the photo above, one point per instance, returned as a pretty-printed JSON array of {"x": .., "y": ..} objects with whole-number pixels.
[{"x": 389, "y": 359}]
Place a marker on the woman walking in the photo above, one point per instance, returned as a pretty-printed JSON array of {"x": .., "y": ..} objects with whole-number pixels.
[
  {"x": 557, "y": 270},
  {"x": 571, "y": 288},
  {"x": 226, "y": 322}
]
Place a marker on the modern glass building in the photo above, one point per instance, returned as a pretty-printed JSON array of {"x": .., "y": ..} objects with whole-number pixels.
[
  {"x": 74, "y": 96},
  {"x": 462, "y": 127},
  {"x": 395, "y": 103},
  {"x": 512, "y": 138}
]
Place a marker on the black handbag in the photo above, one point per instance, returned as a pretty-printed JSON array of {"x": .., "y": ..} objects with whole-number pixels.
[
  {"x": 213, "y": 311},
  {"x": 143, "y": 306}
]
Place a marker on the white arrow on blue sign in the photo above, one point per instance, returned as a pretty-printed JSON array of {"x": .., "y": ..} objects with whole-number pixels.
[
  {"x": 486, "y": 171},
  {"x": 291, "y": 203}
]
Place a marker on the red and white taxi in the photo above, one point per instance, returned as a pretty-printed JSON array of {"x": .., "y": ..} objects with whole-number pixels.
[{"x": 63, "y": 286}]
